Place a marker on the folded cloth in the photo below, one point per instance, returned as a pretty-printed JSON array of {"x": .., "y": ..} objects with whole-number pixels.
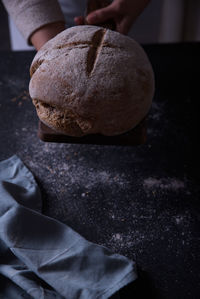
[{"x": 41, "y": 257}]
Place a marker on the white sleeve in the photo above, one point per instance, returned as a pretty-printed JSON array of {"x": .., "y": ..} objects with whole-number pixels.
[{"x": 30, "y": 15}]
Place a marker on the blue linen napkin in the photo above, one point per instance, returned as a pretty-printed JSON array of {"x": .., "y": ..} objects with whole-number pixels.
[{"x": 41, "y": 257}]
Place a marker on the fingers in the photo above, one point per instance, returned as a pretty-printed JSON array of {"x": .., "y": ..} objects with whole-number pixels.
[
  {"x": 100, "y": 15},
  {"x": 123, "y": 26},
  {"x": 79, "y": 20},
  {"x": 114, "y": 11},
  {"x": 123, "y": 12}
]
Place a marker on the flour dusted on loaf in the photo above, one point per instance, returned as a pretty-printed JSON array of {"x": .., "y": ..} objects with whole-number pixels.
[{"x": 91, "y": 80}]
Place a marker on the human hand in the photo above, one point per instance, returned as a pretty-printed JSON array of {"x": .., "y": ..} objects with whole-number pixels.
[{"x": 123, "y": 12}]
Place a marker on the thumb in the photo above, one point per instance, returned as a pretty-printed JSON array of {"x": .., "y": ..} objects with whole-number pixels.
[
  {"x": 100, "y": 15},
  {"x": 124, "y": 25}
]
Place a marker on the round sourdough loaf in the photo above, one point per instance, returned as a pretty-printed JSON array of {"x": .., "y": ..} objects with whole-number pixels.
[{"x": 91, "y": 80}]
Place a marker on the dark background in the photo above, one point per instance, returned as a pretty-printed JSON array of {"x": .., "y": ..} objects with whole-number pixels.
[{"x": 4, "y": 31}]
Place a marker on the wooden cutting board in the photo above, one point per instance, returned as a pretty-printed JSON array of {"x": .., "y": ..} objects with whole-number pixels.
[{"x": 136, "y": 136}]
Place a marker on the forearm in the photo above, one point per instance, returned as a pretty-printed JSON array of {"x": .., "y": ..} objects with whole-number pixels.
[{"x": 45, "y": 33}]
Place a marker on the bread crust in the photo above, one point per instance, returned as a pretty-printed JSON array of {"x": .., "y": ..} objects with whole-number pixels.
[{"x": 91, "y": 80}]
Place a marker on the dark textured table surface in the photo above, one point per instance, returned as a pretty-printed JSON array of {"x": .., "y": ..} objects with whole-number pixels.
[{"x": 142, "y": 202}]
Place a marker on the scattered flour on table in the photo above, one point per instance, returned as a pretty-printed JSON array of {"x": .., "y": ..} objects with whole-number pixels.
[
  {"x": 67, "y": 165},
  {"x": 156, "y": 111},
  {"x": 117, "y": 237},
  {"x": 89, "y": 177},
  {"x": 172, "y": 184},
  {"x": 179, "y": 219},
  {"x": 130, "y": 239}
]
